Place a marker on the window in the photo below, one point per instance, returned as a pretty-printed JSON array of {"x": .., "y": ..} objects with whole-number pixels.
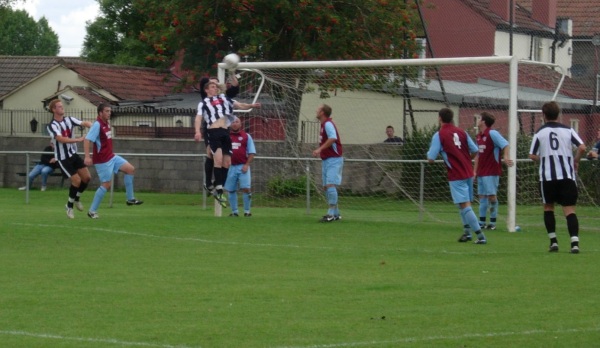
[
  {"x": 477, "y": 118},
  {"x": 537, "y": 49},
  {"x": 575, "y": 124},
  {"x": 422, "y": 51},
  {"x": 422, "y": 47},
  {"x": 562, "y": 25}
]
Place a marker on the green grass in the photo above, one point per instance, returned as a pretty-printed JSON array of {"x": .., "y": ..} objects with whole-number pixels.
[{"x": 170, "y": 274}]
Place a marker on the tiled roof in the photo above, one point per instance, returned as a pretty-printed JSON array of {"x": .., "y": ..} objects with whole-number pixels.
[
  {"x": 522, "y": 19},
  {"x": 90, "y": 95},
  {"x": 533, "y": 76},
  {"x": 584, "y": 13},
  {"x": 124, "y": 82},
  {"x": 547, "y": 79},
  {"x": 18, "y": 71}
]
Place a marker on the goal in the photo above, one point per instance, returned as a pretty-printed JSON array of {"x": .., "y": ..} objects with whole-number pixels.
[{"x": 382, "y": 178}]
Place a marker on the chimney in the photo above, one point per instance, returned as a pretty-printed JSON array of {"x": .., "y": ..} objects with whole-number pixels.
[
  {"x": 502, "y": 8},
  {"x": 544, "y": 11}
]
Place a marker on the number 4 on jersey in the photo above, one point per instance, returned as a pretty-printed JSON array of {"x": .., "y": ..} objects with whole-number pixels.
[{"x": 457, "y": 140}]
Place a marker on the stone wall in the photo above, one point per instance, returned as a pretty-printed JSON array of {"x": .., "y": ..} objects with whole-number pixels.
[
  {"x": 181, "y": 169},
  {"x": 162, "y": 174}
]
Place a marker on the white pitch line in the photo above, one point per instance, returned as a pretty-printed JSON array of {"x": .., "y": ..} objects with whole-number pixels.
[
  {"x": 199, "y": 240},
  {"x": 176, "y": 238},
  {"x": 334, "y": 345},
  {"x": 436, "y": 338},
  {"x": 91, "y": 340}
]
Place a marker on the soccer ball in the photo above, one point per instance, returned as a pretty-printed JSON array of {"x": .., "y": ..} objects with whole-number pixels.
[{"x": 231, "y": 61}]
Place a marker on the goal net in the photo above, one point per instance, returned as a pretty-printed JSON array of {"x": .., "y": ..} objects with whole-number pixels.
[{"x": 380, "y": 177}]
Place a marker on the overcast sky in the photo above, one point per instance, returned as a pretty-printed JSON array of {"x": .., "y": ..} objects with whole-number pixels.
[{"x": 66, "y": 17}]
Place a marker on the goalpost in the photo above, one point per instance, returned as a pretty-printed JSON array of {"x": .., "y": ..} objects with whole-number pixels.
[{"x": 367, "y": 96}]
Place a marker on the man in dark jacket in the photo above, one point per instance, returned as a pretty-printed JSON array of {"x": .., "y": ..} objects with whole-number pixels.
[{"x": 44, "y": 167}]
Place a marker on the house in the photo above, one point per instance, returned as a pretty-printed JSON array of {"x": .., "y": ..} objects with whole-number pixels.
[
  {"x": 146, "y": 103},
  {"x": 585, "y": 18},
  {"x": 581, "y": 19},
  {"x": 542, "y": 31},
  {"x": 29, "y": 83},
  {"x": 474, "y": 28}
]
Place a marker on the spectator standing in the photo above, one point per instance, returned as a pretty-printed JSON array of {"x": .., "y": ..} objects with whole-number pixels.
[
  {"x": 391, "y": 138},
  {"x": 243, "y": 152},
  {"x": 488, "y": 167},
  {"x": 552, "y": 146},
  {"x": 330, "y": 151},
  {"x": 99, "y": 140},
  {"x": 61, "y": 129},
  {"x": 45, "y": 167},
  {"x": 457, "y": 150}
]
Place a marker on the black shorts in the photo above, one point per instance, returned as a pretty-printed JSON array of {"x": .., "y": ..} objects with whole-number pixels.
[
  {"x": 71, "y": 165},
  {"x": 563, "y": 192},
  {"x": 218, "y": 138},
  {"x": 205, "y": 136},
  {"x": 203, "y": 129}
]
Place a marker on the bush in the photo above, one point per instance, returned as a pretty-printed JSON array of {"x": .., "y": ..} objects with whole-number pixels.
[
  {"x": 280, "y": 186},
  {"x": 589, "y": 174},
  {"x": 415, "y": 148}
]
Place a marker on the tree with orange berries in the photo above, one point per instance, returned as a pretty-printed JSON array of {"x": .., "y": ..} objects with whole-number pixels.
[
  {"x": 197, "y": 34},
  {"x": 204, "y": 31},
  {"x": 201, "y": 33}
]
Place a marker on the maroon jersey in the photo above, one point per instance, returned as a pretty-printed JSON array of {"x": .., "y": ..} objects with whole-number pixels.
[
  {"x": 455, "y": 144},
  {"x": 103, "y": 146},
  {"x": 488, "y": 163},
  {"x": 328, "y": 129},
  {"x": 239, "y": 147}
]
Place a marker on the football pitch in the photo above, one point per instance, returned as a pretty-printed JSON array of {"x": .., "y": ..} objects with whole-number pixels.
[{"x": 170, "y": 274}]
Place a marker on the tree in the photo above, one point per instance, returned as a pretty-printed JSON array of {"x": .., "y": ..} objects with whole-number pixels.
[
  {"x": 21, "y": 35},
  {"x": 113, "y": 38},
  {"x": 9, "y": 3},
  {"x": 201, "y": 32},
  {"x": 276, "y": 30}
]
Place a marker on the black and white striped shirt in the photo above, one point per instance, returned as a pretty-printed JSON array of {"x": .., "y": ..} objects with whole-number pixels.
[
  {"x": 553, "y": 143},
  {"x": 215, "y": 108},
  {"x": 63, "y": 128}
]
